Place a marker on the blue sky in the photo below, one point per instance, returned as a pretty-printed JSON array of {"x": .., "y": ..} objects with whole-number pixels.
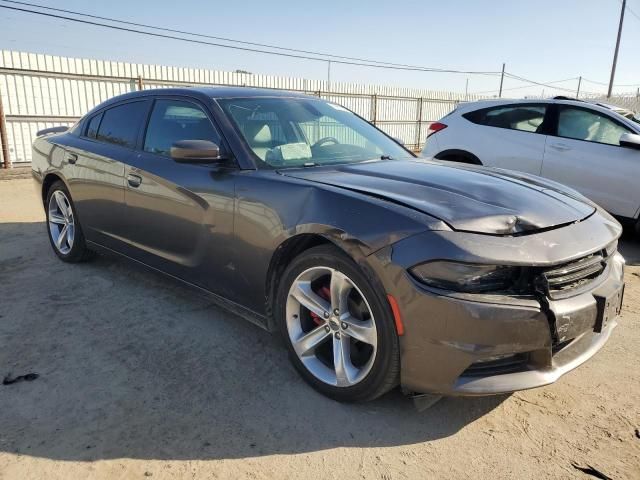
[{"x": 543, "y": 40}]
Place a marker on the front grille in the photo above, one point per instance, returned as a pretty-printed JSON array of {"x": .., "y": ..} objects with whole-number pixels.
[
  {"x": 557, "y": 347},
  {"x": 565, "y": 278},
  {"x": 500, "y": 366}
]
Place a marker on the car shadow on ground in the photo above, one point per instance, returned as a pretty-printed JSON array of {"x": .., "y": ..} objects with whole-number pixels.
[{"x": 135, "y": 365}]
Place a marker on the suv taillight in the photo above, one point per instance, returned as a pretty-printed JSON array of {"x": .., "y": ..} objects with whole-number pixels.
[{"x": 434, "y": 128}]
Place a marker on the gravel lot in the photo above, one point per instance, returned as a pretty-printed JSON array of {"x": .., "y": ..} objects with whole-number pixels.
[{"x": 140, "y": 377}]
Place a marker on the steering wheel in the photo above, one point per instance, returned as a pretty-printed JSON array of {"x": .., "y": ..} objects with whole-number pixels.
[{"x": 324, "y": 140}]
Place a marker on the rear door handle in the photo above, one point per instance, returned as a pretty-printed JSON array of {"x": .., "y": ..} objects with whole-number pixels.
[
  {"x": 134, "y": 180},
  {"x": 72, "y": 158},
  {"x": 560, "y": 147}
]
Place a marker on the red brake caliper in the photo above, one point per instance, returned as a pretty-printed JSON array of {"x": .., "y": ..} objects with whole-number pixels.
[{"x": 324, "y": 293}]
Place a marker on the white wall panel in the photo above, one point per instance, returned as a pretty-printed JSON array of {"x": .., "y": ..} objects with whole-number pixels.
[{"x": 37, "y": 85}]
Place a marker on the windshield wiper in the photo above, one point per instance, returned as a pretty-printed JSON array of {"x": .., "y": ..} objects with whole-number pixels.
[{"x": 386, "y": 157}]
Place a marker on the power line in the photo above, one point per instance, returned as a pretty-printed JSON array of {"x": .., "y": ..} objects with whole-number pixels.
[
  {"x": 296, "y": 53},
  {"x": 529, "y": 86},
  {"x": 605, "y": 84},
  {"x": 630, "y": 10},
  {"x": 317, "y": 55},
  {"x": 542, "y": 84}
]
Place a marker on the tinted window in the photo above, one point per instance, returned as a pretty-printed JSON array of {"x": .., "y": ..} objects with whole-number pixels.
[
  {"x": 588, "y": 125},
  {"x": 527, "y": 118},
  {"x": 173, "y": 120},
  {"x": 94, "y": 123},
  {"x": 120, "y": 124}
]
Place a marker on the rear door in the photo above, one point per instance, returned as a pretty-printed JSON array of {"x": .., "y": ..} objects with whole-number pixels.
[
  {"x": 507, "y": 136},
  {"x": 584, "y": 153},
  {"x": 180, "y": 215},
  {"x": 97, "y": 164}
]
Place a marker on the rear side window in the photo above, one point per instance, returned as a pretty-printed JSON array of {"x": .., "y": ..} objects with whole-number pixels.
[
  {"x": 526, "y": 118},
  {"x": 92, "y": 128},
  {"x": 120, "y": 124},
  {"x": 174, "y": 120},
  {"x": 581, "y": 124}
]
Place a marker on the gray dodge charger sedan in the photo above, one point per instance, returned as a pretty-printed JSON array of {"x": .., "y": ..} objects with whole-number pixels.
[{"x": 377, "y": 268}]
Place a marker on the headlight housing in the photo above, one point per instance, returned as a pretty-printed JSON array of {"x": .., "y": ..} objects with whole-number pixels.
[{"x": 468, "y": 277}]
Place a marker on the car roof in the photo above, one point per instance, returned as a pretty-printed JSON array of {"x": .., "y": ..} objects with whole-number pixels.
[{"x": 215, "y": 92}]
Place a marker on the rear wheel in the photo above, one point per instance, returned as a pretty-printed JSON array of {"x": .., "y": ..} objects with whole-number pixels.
[
  {"x": 65, "y": 233},
  {"x": 338, "y": 329}
]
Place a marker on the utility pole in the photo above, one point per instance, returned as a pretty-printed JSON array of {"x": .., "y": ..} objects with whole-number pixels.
[
  {"x": 329, "y": 76},
  {"x": 501, "y": 82},
  {"x": 4, "y": 144},
  {"x": 466, "y": 90},
  {"x": 578, "y": 90},
  {"x": 615, "y": 55}
]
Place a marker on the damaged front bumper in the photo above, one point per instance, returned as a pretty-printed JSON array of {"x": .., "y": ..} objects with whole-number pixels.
[{"x": 491, "y": 344}]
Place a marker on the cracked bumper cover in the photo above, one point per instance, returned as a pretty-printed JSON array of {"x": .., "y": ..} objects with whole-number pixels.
[{"x": 447, "y": 334}]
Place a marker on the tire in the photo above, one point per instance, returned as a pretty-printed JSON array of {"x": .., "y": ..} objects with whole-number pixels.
[
  {"x": 366, "y": 371},
  {"x": 69, "y": 245}
]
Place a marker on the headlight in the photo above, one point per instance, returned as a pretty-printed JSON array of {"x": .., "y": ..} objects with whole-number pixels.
[{"x": 467, "y": 277}]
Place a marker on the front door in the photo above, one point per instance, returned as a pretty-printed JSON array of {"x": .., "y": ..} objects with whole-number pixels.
[
  {"x": 180, "y": 215},
  {"x": 585, "y": 154}
]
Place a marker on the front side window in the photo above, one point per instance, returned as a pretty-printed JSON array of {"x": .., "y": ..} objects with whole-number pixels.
[
  {"x": 290, "y": 132},
  {"x": 120, "y": 125},
  {"x": 175, "y": 120},
  {"x": 581, "y": 124},
  {"x": 526, "y": 118}
]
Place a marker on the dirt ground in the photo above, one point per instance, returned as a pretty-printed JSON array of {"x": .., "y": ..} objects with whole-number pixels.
[{"x": 140, "y": 377}]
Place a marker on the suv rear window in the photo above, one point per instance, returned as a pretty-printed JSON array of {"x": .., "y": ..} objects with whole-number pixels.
[{"x": 526, "y": 118}]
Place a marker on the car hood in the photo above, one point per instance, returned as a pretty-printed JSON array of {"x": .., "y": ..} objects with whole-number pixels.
[{"x": 467, "y": 198}]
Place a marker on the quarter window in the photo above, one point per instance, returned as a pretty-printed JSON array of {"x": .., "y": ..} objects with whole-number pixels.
[
  {"x": 120, "y": 124},
  {"x": 526, "y": 118},
  {"x": 94, "y": 123},
  {"x": 582, "y": 124},
  {"x": 174, "y": 120}
]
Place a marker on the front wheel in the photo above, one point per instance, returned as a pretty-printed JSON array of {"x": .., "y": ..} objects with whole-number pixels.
[{"x": 337, "y": 327}]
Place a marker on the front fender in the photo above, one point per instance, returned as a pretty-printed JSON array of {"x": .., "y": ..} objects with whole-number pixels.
[{"x": 272, "y": 209}]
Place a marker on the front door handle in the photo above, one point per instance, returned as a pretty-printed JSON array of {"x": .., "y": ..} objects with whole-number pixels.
[
  {"x": 134, "y": 180},
  {"x": 72, "y": 158},
  {"x": 561, "y": 147}
]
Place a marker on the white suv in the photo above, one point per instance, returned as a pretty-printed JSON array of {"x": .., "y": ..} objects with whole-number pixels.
[{"x": 583, "y": 145}]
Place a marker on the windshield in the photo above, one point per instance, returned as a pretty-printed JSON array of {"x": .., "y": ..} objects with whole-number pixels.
[{"x": 295, "y": 132}]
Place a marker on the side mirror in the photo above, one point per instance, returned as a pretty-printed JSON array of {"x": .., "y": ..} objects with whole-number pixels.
[
  {"x": 195, "y": 151},
  {"x": 630, "y": 140}
]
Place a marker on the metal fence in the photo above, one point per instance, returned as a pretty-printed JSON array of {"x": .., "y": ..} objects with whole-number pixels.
[{"x": 40, "y": 91}]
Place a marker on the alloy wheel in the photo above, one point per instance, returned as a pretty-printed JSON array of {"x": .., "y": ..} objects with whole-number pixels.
[
  {"x": 61, "y": 222},
  {"x": 331, "y": 326}
]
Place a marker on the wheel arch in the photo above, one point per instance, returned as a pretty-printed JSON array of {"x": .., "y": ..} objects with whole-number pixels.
[
  {"x": 458, "y": 155},
  {"x": 47, "y": 181},
  {"x": 281, "y": 258}
]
